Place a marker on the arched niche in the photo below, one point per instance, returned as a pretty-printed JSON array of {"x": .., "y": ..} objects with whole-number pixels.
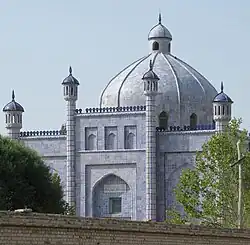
[
  {"x": 112, "y": 197},
  {"x": 163, "y": 120},
  {"x": 130, "y": 141},
  {"x": 91, "y": 142},
  {"x": 193, "y": 121},
  {"x": 111, "y": 141}
]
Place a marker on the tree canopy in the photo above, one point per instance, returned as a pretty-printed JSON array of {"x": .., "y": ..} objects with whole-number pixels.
[
  {"x": 209, "y": 191},
  {"x": 25, "y": 181}
]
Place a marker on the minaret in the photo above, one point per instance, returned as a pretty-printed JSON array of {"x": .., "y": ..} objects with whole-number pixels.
[
  {"x": 222, "y": 108},
  {"x": 150, "y": 90},
  {"x": 70, "y": 86},
  {"x": 13, "y": 118}
]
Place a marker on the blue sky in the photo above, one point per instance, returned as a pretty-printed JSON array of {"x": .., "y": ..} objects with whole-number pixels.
[{"x": 40, "y": 39}]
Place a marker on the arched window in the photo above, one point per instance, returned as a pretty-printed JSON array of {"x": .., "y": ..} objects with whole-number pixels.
[
  {"x": 169, "y": 47},
  {"x": 110, "y": 143},
  {"x": 91, "y": 144},
  {"x": 156, "y": 46},
  {"x": 130, "y": 141},
  {"x": 163, "y": 120},
  {"x": 193, "y": 121}
]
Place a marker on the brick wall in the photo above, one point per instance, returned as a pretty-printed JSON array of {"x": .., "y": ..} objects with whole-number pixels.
[{"x": 56, "y": 229}]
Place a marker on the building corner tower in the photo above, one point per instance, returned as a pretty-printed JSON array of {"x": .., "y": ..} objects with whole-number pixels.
[
  {"x": 13, "y": 118},
  {"x": 222, "y": 109},
  {"x": 70, "y": 92},
  {"x": 150, "y": 91}
]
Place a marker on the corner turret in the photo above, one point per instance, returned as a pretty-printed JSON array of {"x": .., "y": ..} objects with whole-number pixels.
[
  {"x": 13, "y": 118},
  {"x": 70, "y": 85},
  {"x": 222, "y": 109}
]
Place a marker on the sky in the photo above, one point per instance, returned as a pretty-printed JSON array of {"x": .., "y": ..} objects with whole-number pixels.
[{"x": 41, "y": 39}]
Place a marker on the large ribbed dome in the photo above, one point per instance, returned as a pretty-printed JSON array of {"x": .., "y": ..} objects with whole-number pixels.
[{"x": 183, "y": 90}]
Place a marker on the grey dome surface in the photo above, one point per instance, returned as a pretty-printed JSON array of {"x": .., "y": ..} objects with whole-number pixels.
[
  {"x": 13, "y": 105},
  {"x": 159, "y": 31},
  {"x": 70, "y": 79},
  {"x": 183, "y": 90}
]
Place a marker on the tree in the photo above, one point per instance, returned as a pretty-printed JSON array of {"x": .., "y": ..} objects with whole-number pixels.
[
  {"x": 25, "y": 181},
  {"x": 209, "y": 191}
]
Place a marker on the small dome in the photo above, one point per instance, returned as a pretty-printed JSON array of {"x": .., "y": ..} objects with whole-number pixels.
[
  {"x": 159, "y": 31},
  {"x": 70, "y": 79},
  {"x": 150, "y": 75},
  {"x": 13, "y": 105},
  {"x": 222, "y": 97}
]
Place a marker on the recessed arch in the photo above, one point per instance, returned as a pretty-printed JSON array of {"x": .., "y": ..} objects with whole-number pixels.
[
  {"x": 112, "y": 197},
  {"x": 193, "y": 121},
  {"x": 155, "y": 46},
  {"x": 163, "y": 120}
]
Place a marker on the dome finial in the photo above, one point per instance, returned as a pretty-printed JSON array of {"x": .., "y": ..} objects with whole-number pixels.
[
  {"x": 159, "y": 18},
  {"x": 221, "y": 87},
  {"x": 70, "y": 70},
  {"x": 13, "y": 95},
  {"x": 150, "y": 65}
]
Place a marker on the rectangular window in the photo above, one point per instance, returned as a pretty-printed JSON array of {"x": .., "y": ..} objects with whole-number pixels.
[{"x": 115, "y": 205}]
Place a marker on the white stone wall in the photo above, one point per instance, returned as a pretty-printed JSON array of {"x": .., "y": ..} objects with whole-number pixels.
[
  {"x": 98, "y": 164},
  {"x": 47, "y": 145},
  {"x": 95, "y": 123},
  {"x": 53, "y": 151},
  {"x": 175, "y": 150}
]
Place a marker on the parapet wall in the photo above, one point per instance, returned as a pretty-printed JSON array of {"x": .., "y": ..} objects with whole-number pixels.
[{"x": 43, "y": 229}]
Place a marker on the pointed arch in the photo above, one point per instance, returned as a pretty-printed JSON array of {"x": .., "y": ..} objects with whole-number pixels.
[
  {"x": 163, "y": 120},
  {"x": 130, "y": 141},
  {"x": 91, "y": 142},
  {"x": 193, "y": 121},
  {"x": 111, "y": 196},
  {"x": 155, "y": 46},
  {"x": 110, "y": 141}
]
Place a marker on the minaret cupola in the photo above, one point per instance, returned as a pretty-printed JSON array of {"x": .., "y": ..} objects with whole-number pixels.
[
  {"x": 222, "y": 109},
  {"x": 70, "y": 85},
  {"x": 13, "y": 117},
  {"x": 159, "y": 38}
]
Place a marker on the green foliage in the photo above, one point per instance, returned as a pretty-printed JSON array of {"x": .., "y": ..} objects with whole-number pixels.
[
  {"x": 25, "y": 181},
  {"x": 209, "y": 191}
]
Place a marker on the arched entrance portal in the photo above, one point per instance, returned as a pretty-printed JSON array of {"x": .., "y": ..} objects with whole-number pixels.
[{"x": 112, "y": 197}]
